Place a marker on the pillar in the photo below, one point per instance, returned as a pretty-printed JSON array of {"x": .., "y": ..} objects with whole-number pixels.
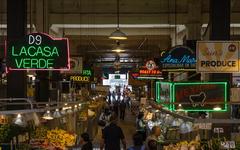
[
  {"x": 220, "y": 11},
  {"x": 193, "y": 30},
  {"x": 220, "y": 29},
  {"x": 16, "y": 29},
  {"x": 42, "y": 79}
]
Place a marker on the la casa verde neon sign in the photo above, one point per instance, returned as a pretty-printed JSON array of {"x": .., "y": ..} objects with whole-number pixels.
[{"x": 38, "y": 51}]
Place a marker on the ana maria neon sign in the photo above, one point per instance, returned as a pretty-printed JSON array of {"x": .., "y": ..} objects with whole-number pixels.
[
  {"x": 179, "y": 57},
  {"x": 38, "y": 51}
]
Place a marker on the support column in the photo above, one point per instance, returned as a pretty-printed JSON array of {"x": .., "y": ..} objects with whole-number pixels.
[
  {"x": 42, "y": 80},
  {"x": 220, "y": 29},
  {"x": 193, "y": 30},
  {"x": 16, "y": 29},
  {"x": 220, "y": 11}
]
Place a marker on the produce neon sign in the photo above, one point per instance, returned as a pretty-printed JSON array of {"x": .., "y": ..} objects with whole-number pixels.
[{"x": 38, "y": 51}]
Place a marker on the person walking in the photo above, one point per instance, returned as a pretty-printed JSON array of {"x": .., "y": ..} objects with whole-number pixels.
[
  {"x": 115, "y": 107},
  {"x": 137, "y": 142},
  {"x": 140, "y": 125},
  {"x": 122, "y": 109},
  {"x": 104, "y": 118},
  {"x": 112, "y": 135}
]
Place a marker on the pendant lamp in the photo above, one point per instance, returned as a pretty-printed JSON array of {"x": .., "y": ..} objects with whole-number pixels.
[{"x": 118, "y": 34}]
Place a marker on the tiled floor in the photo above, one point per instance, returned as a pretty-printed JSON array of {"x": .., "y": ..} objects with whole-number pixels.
[{"x": 128, "y": 127}]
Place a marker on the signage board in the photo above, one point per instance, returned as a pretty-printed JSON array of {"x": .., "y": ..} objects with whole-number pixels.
[
  {"x": 164, "y": 94},
  {"x": 218, "y": 130},
  {"x": 79, "y": 78},
  {"x": 228, "y": 145},
  {"x": 37, "y": 51},
  {"x": 217, "y": 56},
  {"x": 198, "y": 96},
  {"x": 178, "y": 58},
  {"x": 204, "y": 126}
]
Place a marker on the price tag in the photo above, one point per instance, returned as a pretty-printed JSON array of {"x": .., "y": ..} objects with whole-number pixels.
[
  {"x": 228, "y": 144},
  {"x": 204, "y": 126},
  {"x": 218, "y": 130}
]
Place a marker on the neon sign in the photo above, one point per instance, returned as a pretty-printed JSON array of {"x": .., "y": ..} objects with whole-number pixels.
[
  {"x": 87, "y": 72},
  {"x": 192, "y": 96},
  {"x": 198, "y": 96},
  {"x": 149, "y": 72},
  {"x": 79, "y": 78},
  {"x": 38, "y": 51},
  {"x": 180, "y": 57}
]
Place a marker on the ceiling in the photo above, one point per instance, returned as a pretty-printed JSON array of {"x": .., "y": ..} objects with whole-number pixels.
[{"x": 151, "y": 25}]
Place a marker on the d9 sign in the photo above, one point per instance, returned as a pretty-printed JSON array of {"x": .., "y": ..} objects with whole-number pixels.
[{"x": 38, "y": 51}]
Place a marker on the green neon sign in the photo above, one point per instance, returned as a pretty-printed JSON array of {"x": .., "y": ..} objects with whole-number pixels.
[
  {"x": 196, "y": 96},
  {"x": 193, "y": 96},
  {"x": 164, "y": 94},
  {"x": 87, "y": 72},
  {"x": 38, "y": 51}
]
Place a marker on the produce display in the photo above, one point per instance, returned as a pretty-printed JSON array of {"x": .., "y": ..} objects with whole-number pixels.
[
  {"x": 55, "y": 138},
  {"x": 184, "y": 145},
  {"x": 60, "y": 138}
]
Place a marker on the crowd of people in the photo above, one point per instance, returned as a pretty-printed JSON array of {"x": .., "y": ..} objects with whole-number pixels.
[{"x": 112, "y": 135}]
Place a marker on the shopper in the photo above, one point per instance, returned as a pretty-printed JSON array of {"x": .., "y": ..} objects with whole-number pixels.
[
  {"x": 138, "y": 142},
  {"x": 112, "y": 135},
  {"x": 122, "y": 109},
  {"x": 115, "y": 107},
  {"x": 85, "y": 142},
  {"x": 104, "y": 118},
  {"x": 156, "y": 132},
  {"x": 140, "y": 125}
]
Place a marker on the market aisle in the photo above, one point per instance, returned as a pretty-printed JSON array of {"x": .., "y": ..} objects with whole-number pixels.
[{"x": 128, "y": 127}]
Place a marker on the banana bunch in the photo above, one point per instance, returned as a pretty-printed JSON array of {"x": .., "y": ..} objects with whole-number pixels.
[{"x": 60, "y": 138}]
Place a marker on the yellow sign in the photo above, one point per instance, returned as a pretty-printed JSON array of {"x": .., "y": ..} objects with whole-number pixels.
[
  {"x": 217, "y": 56},
  {"x": 80, "y": 78}
]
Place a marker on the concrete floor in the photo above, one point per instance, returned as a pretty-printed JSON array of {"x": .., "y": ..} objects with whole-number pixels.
[{"x": 128, "y": 127}]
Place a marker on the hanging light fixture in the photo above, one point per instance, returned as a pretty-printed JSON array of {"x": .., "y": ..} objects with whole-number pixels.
[
  {"x": 47, "y": 115},
  {"x": 118, "y": 48},
  {"x": 75, "y": 108},
  {"x": 69, "y": 110},
  {"x": 56, "y": 114},
  {"x": 118, "y": 34},
  {"x": 19, "y": 120}
]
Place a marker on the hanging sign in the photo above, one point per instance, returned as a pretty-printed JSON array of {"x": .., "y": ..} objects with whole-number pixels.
[
  {"x": 164, "y": 94},
  {"x": 38, "y": 51},
  {"x": 198, "y": 96},
  {"x": 178, "y": 58},
  {"x": 217, "y": 56}
]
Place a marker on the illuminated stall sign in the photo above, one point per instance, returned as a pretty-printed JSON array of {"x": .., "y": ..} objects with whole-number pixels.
[
  {"x": 179, "y": 57},
  {"x": 149, "y": 71},
  {"x": 164, "y": 94},
  {"x": 218, "y": 56},
  {"x": 198, "y": 96},
  {"x": 79, "y": 78},
  {"x": 38, "y": 51},
  {"x": 87, "y": 72}
]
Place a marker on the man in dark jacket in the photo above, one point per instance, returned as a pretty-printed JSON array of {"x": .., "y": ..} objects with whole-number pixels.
[
  {"x": 122, "y": 109},
  {"x": 112, "y": 135}
]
